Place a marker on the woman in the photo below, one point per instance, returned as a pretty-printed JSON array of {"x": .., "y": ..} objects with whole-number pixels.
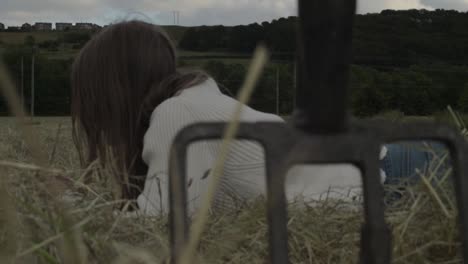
[{"x": 129, "y": 102}]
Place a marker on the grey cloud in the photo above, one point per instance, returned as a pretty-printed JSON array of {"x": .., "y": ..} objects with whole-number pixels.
[
  {"x": 192, "y": 12},
  {"x": 461, "y": 5},
  {"x": 372, "y": 6},
  {"x": 16, "y": 12},
  {"x": 39, "y": 5},
  {"x": 242, "y": 14},
  {"x": 210, "y": 12}
]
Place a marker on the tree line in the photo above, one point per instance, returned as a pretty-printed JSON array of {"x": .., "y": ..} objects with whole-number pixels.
[
  {"x": 418, "y": 90},
  {"x": 390, "y": 38},
  {"x": 413, "y": 61}
]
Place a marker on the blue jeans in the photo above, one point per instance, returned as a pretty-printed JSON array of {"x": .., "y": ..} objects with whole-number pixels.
[{"x": 404, "y": 158}]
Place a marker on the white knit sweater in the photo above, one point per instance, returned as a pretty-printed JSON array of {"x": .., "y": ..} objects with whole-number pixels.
[{"x": 244, "y": 173}]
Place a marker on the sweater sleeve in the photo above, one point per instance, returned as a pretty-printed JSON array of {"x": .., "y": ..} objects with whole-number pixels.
[{"x": 166, "y": 121}]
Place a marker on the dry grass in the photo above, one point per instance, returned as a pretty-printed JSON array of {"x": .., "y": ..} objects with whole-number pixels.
[
  {"x": 87, "y": 229},
  {"x": 423, "y": 230}
]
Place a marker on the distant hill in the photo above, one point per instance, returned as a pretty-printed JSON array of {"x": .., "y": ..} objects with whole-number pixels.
[
  {"x": 413, "y": 61},
  {"x": 17, "y": 38},
  {"x": 64, "y": 44},
  {"x": 388, "y": 39}
]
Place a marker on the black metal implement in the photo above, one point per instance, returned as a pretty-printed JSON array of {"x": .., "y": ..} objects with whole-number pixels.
[
  {"x": 295, "y": 147},
  {"x": 457, "y": 148},
  {"x": 321, "y": 134},
  {"x": 324, "y": 56}
]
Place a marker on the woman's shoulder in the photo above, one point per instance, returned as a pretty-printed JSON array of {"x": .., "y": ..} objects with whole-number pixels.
[
  {"x": 205, "y": 102},
  {"x": 171, "y": 104},
  {"x": 189, "y": 98},
  {"x": 172, "y": 110}
]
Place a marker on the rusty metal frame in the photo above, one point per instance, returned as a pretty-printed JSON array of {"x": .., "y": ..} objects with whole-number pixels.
[{"x": 321, "y": 133}]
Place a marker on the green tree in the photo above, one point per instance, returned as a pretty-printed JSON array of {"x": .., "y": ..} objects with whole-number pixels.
[
  {"x": 217, "y": 69},
  {"x": 76, "y": 37},
  {"x": 29, "y": 41},
  {"x": 412, "y": 95},
  {"x": 463, "y": 101},
  {"x": 367, "y": 96}
]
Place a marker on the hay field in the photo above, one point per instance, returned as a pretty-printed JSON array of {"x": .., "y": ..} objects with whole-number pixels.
[{"x": 33, "y": 231}]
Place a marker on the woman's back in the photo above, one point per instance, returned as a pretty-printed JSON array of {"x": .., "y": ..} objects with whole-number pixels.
[
  {"x": 244, "y": 170},
  {"x": 128, "y": 71},
  {"x": 244, "y": 167}
]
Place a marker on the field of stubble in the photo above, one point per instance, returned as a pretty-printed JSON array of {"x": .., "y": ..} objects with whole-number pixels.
[{"x": 35, "y": 228}]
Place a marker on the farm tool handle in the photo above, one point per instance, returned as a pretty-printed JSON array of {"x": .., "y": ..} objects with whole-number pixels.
[
  {"x": 324, "y": 55},
  {"x": 322, "y": 134}
]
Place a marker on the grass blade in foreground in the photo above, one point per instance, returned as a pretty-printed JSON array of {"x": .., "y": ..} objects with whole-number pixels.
[
  {"x": 259, "y": 61},
  {"x": 73, "y": 249}
]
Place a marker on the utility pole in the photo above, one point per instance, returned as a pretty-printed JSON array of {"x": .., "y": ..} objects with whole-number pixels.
[
  {"x": 295, "y": 84},
  {"x": 32, "y": 86},
  {"x": 277, "y": 91},
  {"x": 22, "y": 81},
  {"x": 176, "y": 17}
]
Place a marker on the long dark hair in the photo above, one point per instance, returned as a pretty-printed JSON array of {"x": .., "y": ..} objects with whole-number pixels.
[{"x": 118, "y": 78}]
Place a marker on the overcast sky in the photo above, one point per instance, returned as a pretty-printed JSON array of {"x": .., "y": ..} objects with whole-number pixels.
[{"x": 192, "y": 12}]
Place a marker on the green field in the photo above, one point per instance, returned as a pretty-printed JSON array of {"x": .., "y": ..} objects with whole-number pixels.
[
  {"x": 66, "y": 52},
  {"x": 46, "y": 129},
  {"x": 18, "y": 38}
]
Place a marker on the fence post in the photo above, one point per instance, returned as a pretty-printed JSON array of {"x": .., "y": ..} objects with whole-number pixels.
[
  {"x": 32, "y": 86},
  {"x": 277, "y": 92},
  {"x": 22, "y": 81}
]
